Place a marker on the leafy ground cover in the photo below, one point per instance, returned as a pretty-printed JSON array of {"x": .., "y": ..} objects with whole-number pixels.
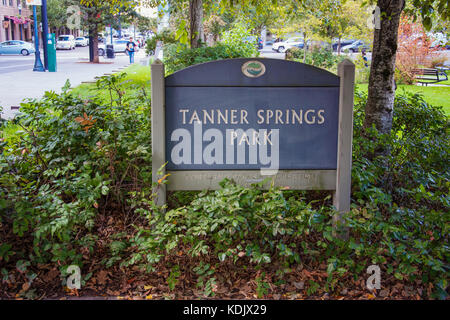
[{"x": 75, "y": 188}]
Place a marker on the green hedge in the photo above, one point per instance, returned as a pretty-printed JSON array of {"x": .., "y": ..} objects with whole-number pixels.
[
  {"x": 177, "y": 56},
  {"x": 321, "y": 58}
]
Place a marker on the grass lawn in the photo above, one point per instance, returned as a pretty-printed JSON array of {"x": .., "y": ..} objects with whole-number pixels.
[
  {"x": 447, "y": 82},
  {"x": 436, "y": 96},
  {"x": 136, "y": 76}
]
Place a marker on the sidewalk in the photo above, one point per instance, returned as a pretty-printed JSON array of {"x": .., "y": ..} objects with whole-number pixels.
[{"x": 16, "y": 86}]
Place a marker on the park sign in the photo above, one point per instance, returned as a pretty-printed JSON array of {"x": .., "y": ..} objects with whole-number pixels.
[{"x": 253, "y": 119}]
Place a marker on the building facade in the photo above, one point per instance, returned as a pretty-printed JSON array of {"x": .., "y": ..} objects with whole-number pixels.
[{"x": 16, "y": 20}]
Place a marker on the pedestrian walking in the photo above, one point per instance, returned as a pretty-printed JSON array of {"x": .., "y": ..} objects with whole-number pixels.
[
  {"x": 363, "y": 54},
  {"x": 131, "y": 49}
]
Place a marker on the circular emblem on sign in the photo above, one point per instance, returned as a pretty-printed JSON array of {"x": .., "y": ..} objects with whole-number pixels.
[{"x": 253, "y": 69}]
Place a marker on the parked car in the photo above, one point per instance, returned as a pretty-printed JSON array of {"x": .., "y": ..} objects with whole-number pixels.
[
  {"x": 438, "y": 40},
  {"x": 16, "y": 47},
  {"x": 301, "y": 45},
  {"x": 119, "y": 46},
  {"x": 343, "y": 44},
  {"x": 282, "y": 46},
  {"x": 65, "y": 42},
  {"x": 81, "y": 42},
  {"x": 355, "y": 46}
]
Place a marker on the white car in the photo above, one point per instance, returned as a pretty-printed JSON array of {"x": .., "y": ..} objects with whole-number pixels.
[
  {"x": 282, "y": 46},
  {"x": 119, "y": 46},
  {"x": 438, "y": 40},
  {"x": 81, "y": 42},
  {"x": 65, "y": 42}
]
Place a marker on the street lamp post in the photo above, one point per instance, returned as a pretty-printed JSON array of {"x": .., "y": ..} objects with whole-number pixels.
[
  {"x": 37, "y": 55},
  {"x": 44, "y": 31},
  {"x": 20, "y": 25},
  {"x": 120, "y": 26}
]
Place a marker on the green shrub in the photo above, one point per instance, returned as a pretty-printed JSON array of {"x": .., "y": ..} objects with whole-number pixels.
[
  {"x": 401, "y": 225},
  {"x": 402, "y": 77},
  {"x": 322, "y": 58},
  {"x": 251, "y": 227},
  {"x": 234, "y": 44},
  {"x": 177, "y": 57},
  {"x": 237, "y": 40},
  {"x": 166, "y": 37},
  {"x": 294, "y": 54},
  {"x": 409, "y": 187},
  {"x": 62, "y": 158},
  {"x": 418, "y": 158},
  {"x": 362, "y": 72}
]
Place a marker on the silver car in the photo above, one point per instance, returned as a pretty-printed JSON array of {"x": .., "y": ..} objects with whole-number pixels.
[
  {"x": 81, "y": 42},
  {"x": 16, "y": 47}
]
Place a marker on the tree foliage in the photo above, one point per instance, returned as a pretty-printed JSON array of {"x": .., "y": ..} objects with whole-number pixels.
[{"x": 414, "y": 49}]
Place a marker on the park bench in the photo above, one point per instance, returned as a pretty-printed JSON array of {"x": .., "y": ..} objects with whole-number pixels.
[{"x": 429, "y": 75}]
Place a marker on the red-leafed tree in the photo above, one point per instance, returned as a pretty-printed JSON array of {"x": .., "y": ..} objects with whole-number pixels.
[{"x": 414, "y": 49}]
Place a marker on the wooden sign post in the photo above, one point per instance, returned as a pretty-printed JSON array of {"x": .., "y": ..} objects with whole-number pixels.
[{"x": 253, "y": 119}]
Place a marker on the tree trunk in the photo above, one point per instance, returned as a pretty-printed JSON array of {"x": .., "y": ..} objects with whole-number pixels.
[
  {"x": 305, "y": 47},
  {"x": 93, "y": 37},
  {"x": 339, "y": 46},
  {"x": 196, "y": 22},
  {"x": 380, "y": 102},
  {"x": 93, "y": 45}
]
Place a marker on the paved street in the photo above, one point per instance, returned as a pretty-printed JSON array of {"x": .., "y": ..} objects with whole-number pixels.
[
  {"x": 20, "y": 63},
  {"x": 267, "y": 52},
  {"x": 18, "y": 81}
]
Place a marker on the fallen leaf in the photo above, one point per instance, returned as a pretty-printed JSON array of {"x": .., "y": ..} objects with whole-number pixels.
[
  {"x": 299, "y": 285},
  {"x": 102, "y": 277},
  {"x": 25, "y": 286},
  {"x": 384, "y": 293}
]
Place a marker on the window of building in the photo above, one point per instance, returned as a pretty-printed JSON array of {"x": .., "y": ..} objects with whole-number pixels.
[
  {"x": 11, "y": 3},
  {"x": 4, "y": 2}
]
